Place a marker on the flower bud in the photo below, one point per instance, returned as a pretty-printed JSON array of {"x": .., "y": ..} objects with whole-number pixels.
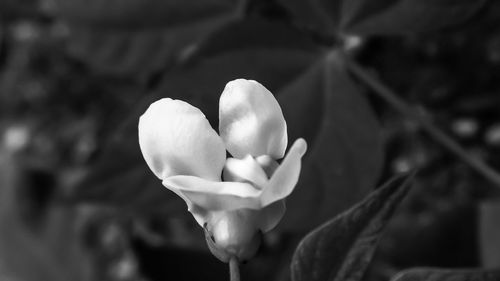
[{"x": 233, "y": 234}]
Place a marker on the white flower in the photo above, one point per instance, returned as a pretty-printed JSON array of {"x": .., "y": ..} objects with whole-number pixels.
[{"x": 183, "y": 150}]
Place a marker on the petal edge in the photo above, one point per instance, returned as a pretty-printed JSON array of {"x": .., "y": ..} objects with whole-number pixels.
[{"x": 285, "y": 178}]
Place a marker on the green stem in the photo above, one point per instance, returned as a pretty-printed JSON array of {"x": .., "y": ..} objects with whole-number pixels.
[
  {"x": 438, "y": 135},
  {"x": 234, "y": 271}
]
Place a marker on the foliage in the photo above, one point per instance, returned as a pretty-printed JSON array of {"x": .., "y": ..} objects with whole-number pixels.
[{"x": 342, "y": 248}]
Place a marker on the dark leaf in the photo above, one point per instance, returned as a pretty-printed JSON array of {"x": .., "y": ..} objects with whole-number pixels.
[
  {"x": 345, "y": 149},
  {"x": 385, "y": 17},
  {"x": 15, "y": 9},
  {"x": 254, "y": 33},
  {"x": 342, "y": 248},
  {"x": 434, "y": 274},
  {"x": 406, "y": 16},
  {"x": 140, "y": 13},
  {"x": 137, "y": 37},
  {"x": 122, "y": 179}
]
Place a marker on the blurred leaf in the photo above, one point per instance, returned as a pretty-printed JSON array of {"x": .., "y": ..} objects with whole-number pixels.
[
  {"x": 320, "y": 15},
  {"x": 342, "y": 248},
  {"x": 345, "y": 149},
  {"x": 122, "y": 178},
  {"x": 489, "y": 223},
  {"x": 434, "y": 274},
  {"x": 385, "y": 17},
  {"x": 364, "y": 17},
  {"x": 254, "y": 33},
  {"x": 14, "y": 9},
  {"x": 137, "y": 37},
  {"x": 51, "y": 250},
  {"x": 140, "y": 13}
]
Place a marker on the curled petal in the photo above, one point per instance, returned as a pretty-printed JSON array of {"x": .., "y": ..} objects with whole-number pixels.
[
  {"x": 176, "y": 139},
  {"x": 251, "y": 121},
  {"x": 286, "y": 176},
  {"x": 245, "y": 170},
  {"x": 214, "y": 195}
]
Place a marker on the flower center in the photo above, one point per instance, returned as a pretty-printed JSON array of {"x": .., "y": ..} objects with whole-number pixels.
[{"x": 256, "y": 171}]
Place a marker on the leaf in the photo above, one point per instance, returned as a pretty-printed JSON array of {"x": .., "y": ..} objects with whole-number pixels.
[
  {"x": 435, "y": 274},
  {"x": 342, "y": 248},
  {"x": 489, "y": 231},
  {"x": 121, "y": 179},
  {"x": 137, "y": 37},
  {"x": 407, "y": 16},
  {"x": 254, "y": 33},
  {"x": 320, "y": 15},
  {"x": 139, "y": 13},
  {"x": 15, "y": 9},
  {"x": 384, "y": 17},
  {"x": 345, "y": 149}
]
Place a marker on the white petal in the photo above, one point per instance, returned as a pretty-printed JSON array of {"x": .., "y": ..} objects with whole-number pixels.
[
  {"x": 246, "y": 169},
  {"x": 176, "y": 139},
  {"x": 213, "y": 195},
  {"x": 270, "y": 216},
  {"x": 285, "y": 178},
  {"x": 251, "y": 121}
]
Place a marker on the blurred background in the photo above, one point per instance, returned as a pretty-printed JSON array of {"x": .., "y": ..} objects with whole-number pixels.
[{"x": 77, "y": 201}]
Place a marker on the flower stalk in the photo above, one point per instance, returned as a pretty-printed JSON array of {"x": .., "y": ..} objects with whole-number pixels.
[{"x": 234, "y": 270}]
